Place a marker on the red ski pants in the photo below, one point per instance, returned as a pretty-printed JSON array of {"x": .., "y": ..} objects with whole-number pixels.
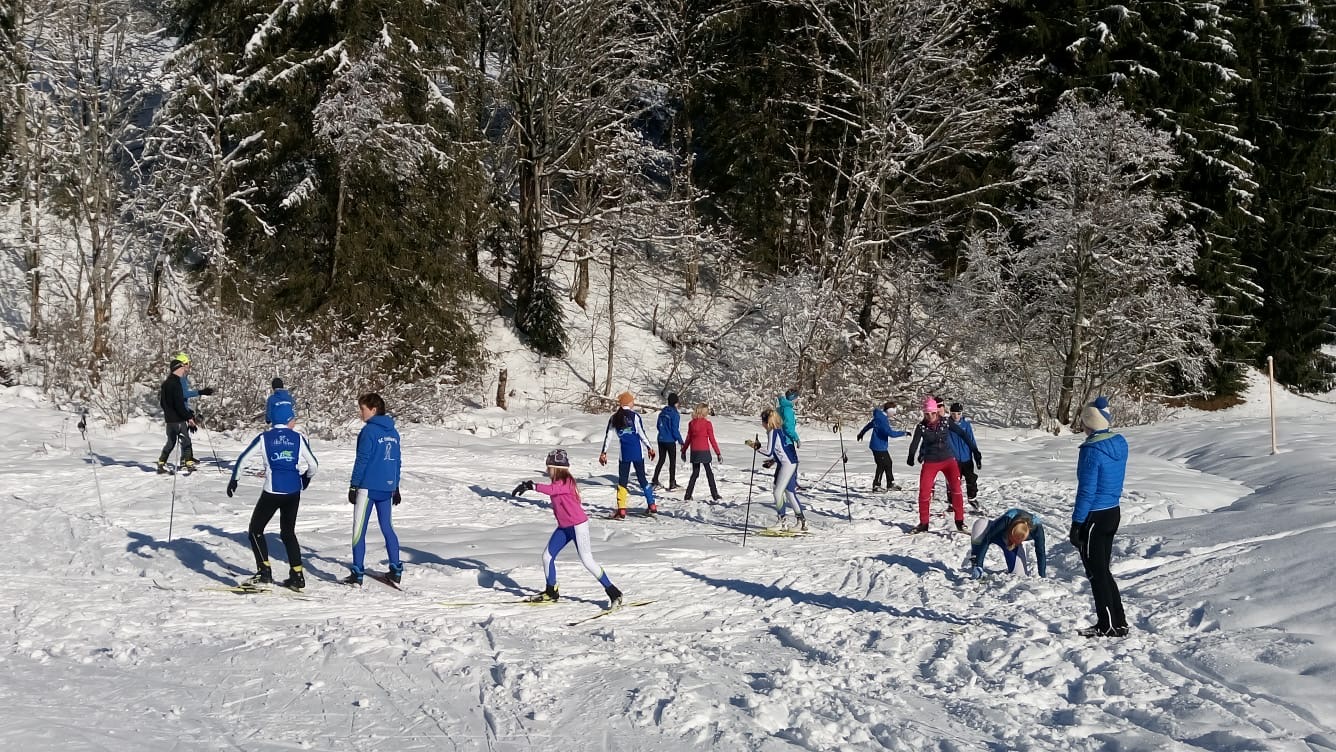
[{"x": 928, "y": 476}]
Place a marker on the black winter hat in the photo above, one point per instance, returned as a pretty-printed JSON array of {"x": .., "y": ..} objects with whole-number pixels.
[
  {"x": 672, "y": 398},
  {"x": 277, "y": 383},
  {"x": 956, "y": 407}
]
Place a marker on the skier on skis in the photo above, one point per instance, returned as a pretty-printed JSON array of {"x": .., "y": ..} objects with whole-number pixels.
[
  {"x": 572, "y": 527},
  {"x": 279, "y": 403},
  {"x": 177, "y": 414},
  {"x": 669, "y": 428},
  {"x": 700, "y": 440},
  {"x": 931, "y": 435},
  {"x": 881, "y": 429},
  {"x": 1008, "y": 533},
  {"x": 289, "y": 466},
  {"x": 1101, "y": 466},
  {"x": 375, "y": 485},
  {"x": 186, "y": 389},
  {"x": 964, "y": 456},
  {"x": 780, "y": 449},
  {"x": 632, "y": 443}
]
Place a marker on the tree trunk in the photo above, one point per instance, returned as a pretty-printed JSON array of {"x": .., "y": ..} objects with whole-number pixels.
[
  {"x": 501, "y": 381},
  {"x": 612, "y": 314},
  {"x": 1076, "y": 338},
  {"x": 338, "y": 233}
]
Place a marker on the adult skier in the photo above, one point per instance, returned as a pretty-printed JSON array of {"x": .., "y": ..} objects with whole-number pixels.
[
  {"x": 669, "y": 428},
  {"x": 375, "y": 485},
  {"x": 931, "y": 445},
  {"x": 960, "y": 446},
  {"x": 177, "y": 414},
  {"x": 779, "y": 448},
  {"x": 882, "y": 431},
  {"x": 1008, "y": 532},
  {"x": 632, "y": 444},
  {"x": 289, "y": 464},
  {"x": 572, "y": 527},
  {"x": 1101, "y": 467}
]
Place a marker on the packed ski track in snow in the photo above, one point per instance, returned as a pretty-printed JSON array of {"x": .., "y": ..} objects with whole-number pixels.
[{"x": 855, "y": 637}]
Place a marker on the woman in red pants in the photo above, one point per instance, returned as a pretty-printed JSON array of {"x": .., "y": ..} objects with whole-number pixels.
[{"x": 932, "y": 446}]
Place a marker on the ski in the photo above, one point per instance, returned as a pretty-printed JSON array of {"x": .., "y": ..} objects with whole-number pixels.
[
  {"x": 384, "y": 579},
  {"x": 257, "y": 590},
  {"x": 607, "y": 611},
  {"x": 773, "y": 533},
  {"x": 519, "y": 602}
]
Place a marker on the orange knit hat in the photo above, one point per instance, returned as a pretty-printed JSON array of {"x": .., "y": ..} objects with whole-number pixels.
[{"x": 626, "y": 399}]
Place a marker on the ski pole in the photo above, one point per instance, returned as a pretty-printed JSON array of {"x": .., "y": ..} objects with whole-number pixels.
[
  {"x": 171, "y": 516},
  {"x": 832, "y": 467},
  {"x": 209, "y": 437},
  {"x": 844, "y": 466},
  {"x": 751, "y": 481},
  {"x": 97, "y": 484}
]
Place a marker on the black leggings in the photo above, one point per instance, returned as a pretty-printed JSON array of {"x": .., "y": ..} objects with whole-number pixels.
[
  {"x": 286, "y": 506},
  {"x": 1096, "y": 554},
  {"x": 667, "y": 452},
  {"x": 699, "y": 460},
  {"x": 970, "y": 477},
  {"x": 883, "y": 459}
]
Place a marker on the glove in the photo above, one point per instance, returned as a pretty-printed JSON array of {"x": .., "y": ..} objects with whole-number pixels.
[
  {"x": 860, "y": 437},
  {"x": 651, "y": 454},
  {"x": 394, "y": 500},
  {"x": 352, "y": 494},
  {"x": 751, "y": 443},
  {"x": 976, "y": 573},
  {"x": 797, "y": 445},
  {"x": 844, "y": 458},
  {"x": 910, "y": 460},
  {"x": 684, "y": 455},
  {"x": 603, "y": 458},
  {"x": 719, "y": 458},
  {"x": 768, "y": 464},
  {"x": 193, "y": 428},
  {"x": 232, "y": 487},
  {"x": 306, "y": 481},
  {"x": 978, "y": 461},
  {"x": 522, "y": 487},
  {"x": 206, "y": 391},
  {"x": 1075, "y": 535}
]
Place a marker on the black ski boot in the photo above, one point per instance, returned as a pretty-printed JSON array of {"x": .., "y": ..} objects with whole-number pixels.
[
  {"x": 922, "y": 527},
  {"x": 550, "y": 595},
  {"x": 396, "y": 574},
  {"x": 614, "y": 596},
  {"x": 296, "y": 580},
  {"x": 162, "y": 468},
  {"x": 263, "y": 577},
  {"x": 802, "y": 524},
  {"x": 353, "y": 578},
  {"x": 960, "y": 525}
]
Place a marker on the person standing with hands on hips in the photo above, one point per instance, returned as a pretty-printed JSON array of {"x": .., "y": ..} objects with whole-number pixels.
[
  {"x": 375, "y": 485},
  {"x": 1101, "y": 467}
]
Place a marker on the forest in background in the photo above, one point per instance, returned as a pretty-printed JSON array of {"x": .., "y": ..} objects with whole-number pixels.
[{"x": 1032, "y": 202}]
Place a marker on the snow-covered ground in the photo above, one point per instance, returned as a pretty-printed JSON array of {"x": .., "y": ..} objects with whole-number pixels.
[{"x": 856, "y": 637}]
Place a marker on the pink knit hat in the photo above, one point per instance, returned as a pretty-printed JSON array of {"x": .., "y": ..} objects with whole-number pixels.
[{"x": 929, "y": 405}]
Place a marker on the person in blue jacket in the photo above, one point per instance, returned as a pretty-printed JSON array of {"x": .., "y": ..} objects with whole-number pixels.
[
  {"x": 964, "y": 455},
  {"x": 188, "y": 391},
  {"x": 632, "y": 443},
  {"x": 289, "y": 464},
  {"x": 1101, "y": 466},
  {"x": 881, "y": 429},
  {"x": 279, "y": 403},
  {"x": 785, "y": 402},
  {"x": 375, "y": 485},
  {"x": 1009, "y": 533},
  {"x": 669, "y": 428}
]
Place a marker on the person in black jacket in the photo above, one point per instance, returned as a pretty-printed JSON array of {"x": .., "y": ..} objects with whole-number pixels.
[{"x": 180, "y": 420}]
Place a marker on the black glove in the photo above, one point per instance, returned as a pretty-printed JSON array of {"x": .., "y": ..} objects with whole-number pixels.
[
  {"x": 522, "y": 487},
  {"x": 1075, "y": 535},
  {"x": 860, "y": 437},
  {"x": 194, "y": 429},
  {"x": 844, "y": 458},
  {"x": 978, "y": 461},
  {"x": 306, "y": 481},
  {"x": 232, "y": 487},
  {"x": 352, "y": 494},
  {"x": 768, "y": 464},
  {"x": 206, "y": 392},
  {"x": 396, "y": 498},
  {"x": 909, "y": 460}
]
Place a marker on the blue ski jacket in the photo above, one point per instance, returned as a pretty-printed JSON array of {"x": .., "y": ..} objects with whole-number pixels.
[
  {"x": 279, "y": 408},
  {"x": 1101, "y": 466},
  {"x": 961, "y": 442},
  {"x": 881, "y": 429},
  {"x": 790, "y": 418},
  {"x": 669, "y": 426},
  {"x": 287, "y": 456},
  {"x": 996, "y": 533},
  {"x": 378, "y": 458},
  {"x": 189, "y": 393},
  {"x": 629, "y": 429}
]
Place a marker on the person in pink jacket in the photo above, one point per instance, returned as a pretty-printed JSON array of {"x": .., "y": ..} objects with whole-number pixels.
[
  {"x": 572, "y": 526},
  {"x": 700, "y": 440}
]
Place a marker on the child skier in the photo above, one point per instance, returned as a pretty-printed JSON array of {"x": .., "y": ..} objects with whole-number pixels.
[
  {"x": 780, "y": 449},
  {"x": 931, "y": 434},
  {"x": 375, "y": 485},
  {"x": 669, "y": 428},
  {"x": 700, "y": 440},
  {"x": 572, "y": 526},
  {"x": 881, "y": 429},
  {"x": 1008, "y": 532},
  {"x": 632, "y": 443},
  {"x": 289, "y": 466},
  {"x": 280, "y": 399}
]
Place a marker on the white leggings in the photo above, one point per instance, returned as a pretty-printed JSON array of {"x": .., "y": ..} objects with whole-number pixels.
[
  {"x": 783, "y": 492},
  {"x": 562, "y": 536}
]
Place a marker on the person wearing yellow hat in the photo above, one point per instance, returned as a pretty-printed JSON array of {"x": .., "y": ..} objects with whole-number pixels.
[
  {"x": 633, "y": 444},
  {"x": 177, "y": 414}
]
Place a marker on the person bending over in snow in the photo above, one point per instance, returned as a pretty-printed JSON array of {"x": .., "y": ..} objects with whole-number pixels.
[
  {"x": 932, "y": 433},
  {"x": 1101, "y": 466},
  {"x": 780, "y": 450},
  {"x": 632, "y": 444},
  {"x": 1008, "y": 532},
  {"x": 289, "y": 466},
  {"x": 375, "y": 485},
  {"x": 881, "y": 429},
  {"x": 572, "y": 527},
  {"x": 700, "y": 440}
]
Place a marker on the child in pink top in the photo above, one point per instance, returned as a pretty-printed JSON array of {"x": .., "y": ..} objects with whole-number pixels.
[{"x": 572, "y": 526}]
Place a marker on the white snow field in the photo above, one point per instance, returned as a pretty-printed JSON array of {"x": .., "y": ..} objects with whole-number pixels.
[{"x": 857, "y": 637}]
